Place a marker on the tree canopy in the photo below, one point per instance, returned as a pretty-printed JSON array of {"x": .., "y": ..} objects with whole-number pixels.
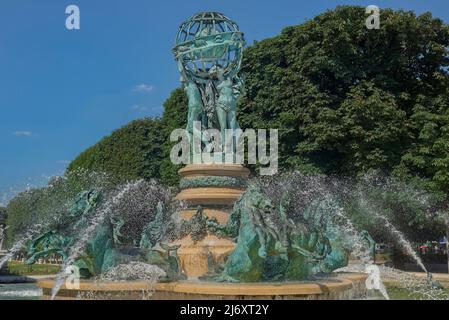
[
  {"x": 3, "y": 214},
  {"x": 131, "y": 152},
  {"x": 347, "y": 99}
]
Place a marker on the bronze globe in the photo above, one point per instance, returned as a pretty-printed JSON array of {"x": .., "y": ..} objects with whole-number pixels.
[{"x": 206, "y": 42}]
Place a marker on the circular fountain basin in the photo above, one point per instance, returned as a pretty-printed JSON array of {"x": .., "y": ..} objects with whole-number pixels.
[{"x": 338, "y": 286}]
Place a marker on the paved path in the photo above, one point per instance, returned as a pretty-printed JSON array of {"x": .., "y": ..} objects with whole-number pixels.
[{"x": 443, "y": 277}]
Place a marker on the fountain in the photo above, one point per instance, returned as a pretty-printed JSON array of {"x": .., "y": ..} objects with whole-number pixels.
[
  {"x": 3, "y": 253},
  {"x": 233, "y": 239}
]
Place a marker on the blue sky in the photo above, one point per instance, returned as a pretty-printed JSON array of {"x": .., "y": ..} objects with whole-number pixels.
[{"x": 61, "y": 91}]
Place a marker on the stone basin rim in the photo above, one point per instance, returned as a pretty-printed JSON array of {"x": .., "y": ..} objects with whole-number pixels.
[{"x": 333, "y": 283}]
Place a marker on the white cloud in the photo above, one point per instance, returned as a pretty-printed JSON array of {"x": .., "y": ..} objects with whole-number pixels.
[
  {"x": 139, "y": 108},
  {"x": 23, "y": 133},
  {"x": 143, "y": 88}
]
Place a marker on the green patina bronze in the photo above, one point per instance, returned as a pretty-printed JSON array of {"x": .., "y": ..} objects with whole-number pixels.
[
  {"x": 103, "y": 250},
  {"x": 99, "y": 254},
  {"x": 270, "y": 245},
  {"x": 212, "y": 181},
  {"x": 153, "y": 231},
  {"x": 60, "y": 239},
  {"x": 209, "y": 50}
]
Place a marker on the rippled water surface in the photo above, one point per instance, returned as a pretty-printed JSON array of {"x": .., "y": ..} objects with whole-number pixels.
[{"x": 20, "y": 291}]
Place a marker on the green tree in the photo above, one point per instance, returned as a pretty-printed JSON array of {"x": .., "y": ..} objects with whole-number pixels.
[
  {"x": 24, "y": 210},
  {"x": 344, "y": 96},
  {"x": 428, "y": 154},
  {"x": 408, "y": 206},
  {"x": 370, "y": 130},
  {"x": 3, "y": 213},
  {"x": 131, "y": 152},
  {"x": 43, "y": 206},
  {"x": 174, "y": 117}
]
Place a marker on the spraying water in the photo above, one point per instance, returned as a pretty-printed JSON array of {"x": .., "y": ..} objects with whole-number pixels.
[
  {"x": 134, "y": 271},
  {"x": 58, "y": 195},
  {"x": 31, "y": 233},
  {"x": 398, "y": 235},
  {"x": 139, "y": 197},
  {"x": 359, "y": 251},
  {"x": 307, "y": 188},
  {"x": 359, "y": 248},
  {"x": 404, "y": 244},
  {"x": 86, "y": 234},
  {"x": 416, "y": 286}
]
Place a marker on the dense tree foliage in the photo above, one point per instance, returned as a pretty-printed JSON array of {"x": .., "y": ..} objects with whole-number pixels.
[
  {"x": 174, "y": 117},
  {"x": 39, "y": 207},
  {"x": 348, "y": 99},
  {"x": 3, "y": 213},
  {"x": 131, "y": 152},
  {"x": 380, "y": 204}
]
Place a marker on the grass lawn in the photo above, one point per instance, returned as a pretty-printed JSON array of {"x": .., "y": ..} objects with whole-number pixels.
[
  {"x": 382, "y": 257},
  {"x": 397, "y": 293},
  {"x": 20, "y": 268}
]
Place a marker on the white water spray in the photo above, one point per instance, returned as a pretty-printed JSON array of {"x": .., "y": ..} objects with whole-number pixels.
[
  {"x": 398, "y": 235},
  {"x": 30, "y": 234},
  {"x": 86, "y": 234}
]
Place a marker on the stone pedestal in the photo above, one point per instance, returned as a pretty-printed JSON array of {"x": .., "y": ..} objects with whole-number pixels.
[{"x": 214, "y": 187}]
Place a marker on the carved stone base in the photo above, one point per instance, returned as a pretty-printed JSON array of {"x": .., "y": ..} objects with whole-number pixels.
[
  {"x": 210, "y": 196},
  {"x": 217, "y": 201},
  {"x": 196, "y": 257}
]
